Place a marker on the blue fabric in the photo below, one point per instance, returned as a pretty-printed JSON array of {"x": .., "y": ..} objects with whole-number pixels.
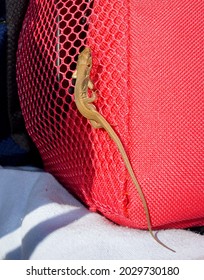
[
  {"x": 8, "y": 147},
  {"x": 11, "y": 153}
]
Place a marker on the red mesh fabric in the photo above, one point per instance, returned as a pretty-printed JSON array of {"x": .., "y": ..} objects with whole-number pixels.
[{"x": 148, "y": 61}]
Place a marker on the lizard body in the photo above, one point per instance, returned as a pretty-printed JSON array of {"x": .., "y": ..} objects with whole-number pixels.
[{"x": 88, "y": 110}]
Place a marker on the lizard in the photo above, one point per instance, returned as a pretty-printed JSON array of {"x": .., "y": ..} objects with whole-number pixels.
[{"x": 85, "y": 106}]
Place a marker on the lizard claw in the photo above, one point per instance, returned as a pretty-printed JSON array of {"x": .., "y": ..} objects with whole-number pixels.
[{"x": 74, "y": 75}]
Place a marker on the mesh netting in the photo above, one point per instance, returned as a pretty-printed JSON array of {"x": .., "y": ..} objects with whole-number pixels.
[{"x": 148, "y": 61}]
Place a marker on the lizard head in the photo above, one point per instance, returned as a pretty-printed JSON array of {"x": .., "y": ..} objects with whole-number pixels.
[
  {"x": 82, "y": 72},
  {"x": 85, "y": 58}
]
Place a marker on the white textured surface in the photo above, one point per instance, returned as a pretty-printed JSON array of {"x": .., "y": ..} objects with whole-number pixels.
[{"x": 39, "y": 219}]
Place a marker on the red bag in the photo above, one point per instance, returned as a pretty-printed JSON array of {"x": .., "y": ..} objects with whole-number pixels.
[{"x": 148, "y": 61}]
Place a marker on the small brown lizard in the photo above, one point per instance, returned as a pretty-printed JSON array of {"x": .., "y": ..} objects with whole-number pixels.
[{"x": 88, "y": 110}]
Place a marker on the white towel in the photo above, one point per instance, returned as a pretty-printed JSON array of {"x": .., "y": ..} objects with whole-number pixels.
[{"x": 39, "y": 219}]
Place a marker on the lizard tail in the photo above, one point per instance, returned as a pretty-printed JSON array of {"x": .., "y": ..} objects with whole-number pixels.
[{"x": 121, "y": 149}]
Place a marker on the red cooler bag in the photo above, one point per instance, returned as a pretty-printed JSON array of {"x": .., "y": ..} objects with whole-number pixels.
[{"x": 148, "y": 70}]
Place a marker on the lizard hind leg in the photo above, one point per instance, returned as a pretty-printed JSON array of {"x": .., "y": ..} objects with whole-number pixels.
[
  {"x": 91, "y": 99},
  {"x": 93, "y": 96},
  {"x": 95, "y": 124}
]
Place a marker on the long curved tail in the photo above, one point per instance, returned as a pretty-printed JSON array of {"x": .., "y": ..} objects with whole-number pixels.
[{"x": 122, "y": 151}]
